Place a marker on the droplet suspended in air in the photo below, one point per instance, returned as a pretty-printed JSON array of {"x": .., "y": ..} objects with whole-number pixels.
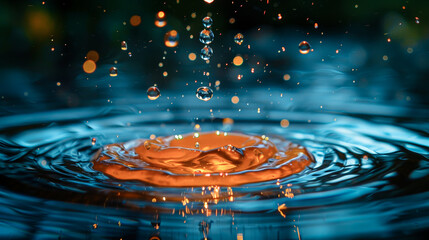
[
  {"x": 153, "y": 93},
  {"x": 113, "y": 71},
  {"x": 239, "y": 38},
  {"x": 207, "y": 22},
  {"x": 206, "y": 36},
  {"x": 204, "y": 93},
  {"x": 93, "y": 141},
  {"x": 208, "y": 1},
  {"x": 124, "y": 46},
  {"x": 160, "y": 19},
  {"x": 171, "y": 38},
  {"x": 206, "y": 52},
  {"x": 304, "y": 47}
]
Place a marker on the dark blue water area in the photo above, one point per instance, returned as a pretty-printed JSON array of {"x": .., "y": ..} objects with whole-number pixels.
[{"x": 369, "y": 179}]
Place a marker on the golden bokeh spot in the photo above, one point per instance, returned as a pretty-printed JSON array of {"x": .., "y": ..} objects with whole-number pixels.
[
  {"x": 286, "y": 77},
  {"x": 284, "y": 123},
  {"x": 238, "y": 60},
  {"x": 228, "y": 121},
  {"x": 160, "y": 14},
  {"x": 39, "y": 24},
  {"x": 235, "y": 99},
  {"x": 89, "y": 66},
  {"x": 93, "y": 55},
  {"x": 192, "y": 56},
  {"x": 135, "y": 20}
]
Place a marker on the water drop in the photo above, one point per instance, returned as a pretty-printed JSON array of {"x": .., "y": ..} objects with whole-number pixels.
[
  {"x": 206, "y": 52},
  {"x": 239, "y": 38},
  {"x": 304, "y": 47},
  {"x": 171, "y": 38},
  {"x": 197, "y": 145},
  {"x": 124, "y": 46},
  {"x": 204, "y": 93},
  {"x": 206, "y": 36},
  {"x": 130, "y": 54},
  {"x": 93, "y": 141},
  {"x": 113, "y": 71},
  {"x": 153, "y": 93},
  {"x": 207, "y": 22}
]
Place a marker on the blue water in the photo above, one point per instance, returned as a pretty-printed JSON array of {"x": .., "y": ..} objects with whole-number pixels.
[{"x": 369, "y": 179}]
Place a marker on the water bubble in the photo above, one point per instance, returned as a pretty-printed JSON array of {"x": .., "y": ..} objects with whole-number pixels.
[
  {"x": 171, "y": 38},
  {"x": 153, "y": 93},
  {"x": 160, "y": 19},
  {"x": 124, "y": 46},
  {"x": 207, "y": 22},
  {"x": 204, "y": 93},
  {"x": 113, "y": 71},
  {"x": 304, "y": 47},
  {"x": 239, "y": 38},
  {"x": 206, "y": 36},
  {"x": 206, "y": 52}
]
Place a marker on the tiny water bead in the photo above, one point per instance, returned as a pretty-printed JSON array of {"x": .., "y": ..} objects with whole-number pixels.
[
  {"x": 304, "y": 47},
  {"x": 239, "y": 38},
  {"x": 204, "y": 93},
  {"x": 171, "y": 38},
  {"x": 207, "y": 22},
  {"x": 160, "y": 19},
  {"x": 206, "y": 36},
  {"x": 231, "y": 159},
  {"x": 124, "y": 46},
  {"x": 153, "y": 93},
  {"x": 113, "y": 71},
  {"x": 206, "y": 53}
]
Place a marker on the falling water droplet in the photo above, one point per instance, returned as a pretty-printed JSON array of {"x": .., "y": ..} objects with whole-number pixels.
[
  {"x": 124, "y": 46},
  {"x": 206, "y": 36},
  {"x": 206, "y": 52},
  {"x": 93, "y": 141},
  {"x": 197, "y": 145},
  {"x": 239, "y": 38},
  {"x": 153, "y": 93},
  {"x": 207, "y": 22},
  {"x": 204, "y": 93},
  {"x": 113, "y": 71},
  {"x": 304, "y": 47},
  {"x": 171, "y": 38},
  {"x": 130, "y": 54}
]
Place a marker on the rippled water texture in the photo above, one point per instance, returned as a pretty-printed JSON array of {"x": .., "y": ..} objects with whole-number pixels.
[{"x": 368, "y": 179}]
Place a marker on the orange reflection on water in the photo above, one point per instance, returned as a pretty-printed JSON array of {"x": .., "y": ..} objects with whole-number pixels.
[{"x": 203, "y": 159}]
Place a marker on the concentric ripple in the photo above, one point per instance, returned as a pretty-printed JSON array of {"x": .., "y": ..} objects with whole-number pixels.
[
  {"x": 92, "y": 158},
  {"x": 203, "y": 159}
]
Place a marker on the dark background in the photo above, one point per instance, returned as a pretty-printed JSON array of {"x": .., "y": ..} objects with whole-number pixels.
[{"x": 30, "y": 70}]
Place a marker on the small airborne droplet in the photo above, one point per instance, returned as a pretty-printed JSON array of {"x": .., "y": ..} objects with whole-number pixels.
[
  {"x": 171, "y": 38},
  {"x": 239, "y": 38},
  {"x": 93, "y": 141},
  {"x": 206, "y": 36},
  {"x": 204, "y": 93},
  {"x": 207, "y": 22},
  {"x": 113, "y": 71},
  {"x": 206, "y": 53},
  {"x": 124, "y": 46},
  {"x": 153, "y": 93},
  {"x": 304, "y": 47}
]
